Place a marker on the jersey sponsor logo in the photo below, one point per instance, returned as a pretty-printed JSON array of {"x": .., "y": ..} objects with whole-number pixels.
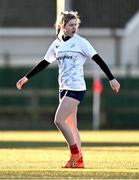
[{"x": 64, "y": 57}]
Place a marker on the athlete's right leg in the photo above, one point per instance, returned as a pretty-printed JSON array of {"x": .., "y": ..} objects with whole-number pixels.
[
  {"x": 72, "y": 123},
  {"x": 66, "y": 107}
]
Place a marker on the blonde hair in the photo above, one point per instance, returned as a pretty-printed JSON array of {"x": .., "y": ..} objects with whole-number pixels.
[{"x": 64, "y": 18}]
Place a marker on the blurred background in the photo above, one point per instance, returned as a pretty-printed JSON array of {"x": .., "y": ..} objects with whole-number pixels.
[{"x": 26, "y": 32}]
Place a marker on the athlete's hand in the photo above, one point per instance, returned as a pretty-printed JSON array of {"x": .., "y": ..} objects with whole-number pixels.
[
  {"x": 115, "y": 85},
  {"x": 21, "y": 82}
]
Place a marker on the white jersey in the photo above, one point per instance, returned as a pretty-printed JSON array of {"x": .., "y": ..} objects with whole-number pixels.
[{"x": 71, "y": 56}]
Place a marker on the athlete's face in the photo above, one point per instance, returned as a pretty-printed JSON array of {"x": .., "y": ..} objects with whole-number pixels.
[{"x": 70, "y": 28}]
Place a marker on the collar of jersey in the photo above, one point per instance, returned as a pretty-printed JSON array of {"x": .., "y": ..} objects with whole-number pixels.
[
  {"x": 68, "y": 38},
  {"x": 65, "y": 38}
]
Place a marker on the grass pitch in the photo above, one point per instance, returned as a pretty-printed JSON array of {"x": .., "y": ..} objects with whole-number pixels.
[{"x": 41, "y": 154}]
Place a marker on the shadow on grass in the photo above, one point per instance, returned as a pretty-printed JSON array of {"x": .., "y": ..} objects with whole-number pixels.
[{"x": 39, "y": 144}]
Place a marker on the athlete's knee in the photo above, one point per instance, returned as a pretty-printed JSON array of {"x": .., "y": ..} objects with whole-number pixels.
[{"x": 58, "y": 122}]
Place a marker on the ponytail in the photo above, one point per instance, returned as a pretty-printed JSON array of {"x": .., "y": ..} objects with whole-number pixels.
[{"x": 57, "y": 31}]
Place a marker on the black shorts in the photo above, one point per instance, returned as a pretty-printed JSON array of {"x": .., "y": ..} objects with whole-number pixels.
[{"x": 78, "y": 95}]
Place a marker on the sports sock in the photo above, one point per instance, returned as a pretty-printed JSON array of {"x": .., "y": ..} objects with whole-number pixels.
[{"x": 74, "y": 149}]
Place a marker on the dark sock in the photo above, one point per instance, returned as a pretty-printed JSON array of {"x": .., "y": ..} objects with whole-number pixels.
[{"x": 74, "y": 149}]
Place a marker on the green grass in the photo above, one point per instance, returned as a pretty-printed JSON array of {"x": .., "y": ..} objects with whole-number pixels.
[{"x": 36, "y": 154}]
